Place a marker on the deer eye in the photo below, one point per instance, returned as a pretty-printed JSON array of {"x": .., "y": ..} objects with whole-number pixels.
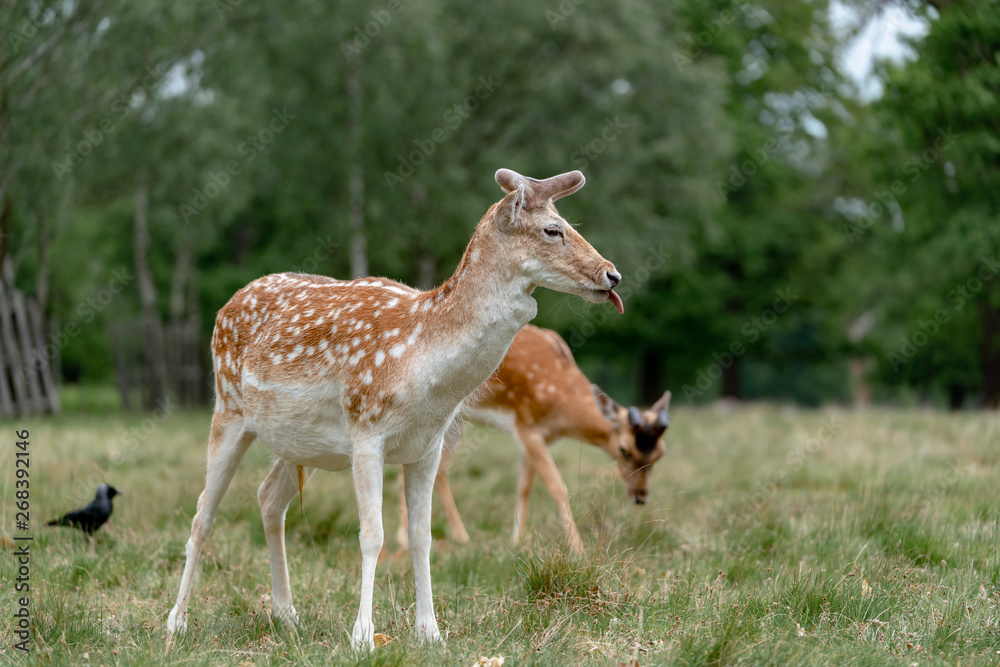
[
  {"x": 553, "y": 232},
  {"x": 624, "y": 453}
]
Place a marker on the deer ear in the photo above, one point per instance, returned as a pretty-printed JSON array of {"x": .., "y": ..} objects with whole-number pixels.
[
  {"x": 606, "y": 404},
  {"x": 635, "y": 417},
  {"x": 509, "y": 211},
  {"x": 564, "y": 184},
  {"x": 663, "y": 404},
  {"x": 508, "y": 180}
]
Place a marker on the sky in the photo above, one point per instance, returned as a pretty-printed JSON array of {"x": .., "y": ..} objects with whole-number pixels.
[{"x": 879, "y": 39}]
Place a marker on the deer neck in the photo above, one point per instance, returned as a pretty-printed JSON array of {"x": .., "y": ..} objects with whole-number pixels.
[
  {"x": 599, "y": 433},
  {"x": 477, "y": 312}
]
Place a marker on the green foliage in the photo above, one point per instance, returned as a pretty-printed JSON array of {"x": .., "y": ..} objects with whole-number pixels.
[{"x": 726, "y": 160}]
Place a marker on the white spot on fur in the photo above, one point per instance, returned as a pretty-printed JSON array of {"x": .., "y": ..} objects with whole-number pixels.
[
  {"x": 379, "y": 358},
  {"x": 397, "y": 351},
  {"x": 416, "y": 332}
]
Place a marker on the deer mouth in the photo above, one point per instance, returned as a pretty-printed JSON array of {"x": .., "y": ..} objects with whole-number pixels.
[
  {"x": 617, "y": 300},
  {"x": 600, "y": 295}
]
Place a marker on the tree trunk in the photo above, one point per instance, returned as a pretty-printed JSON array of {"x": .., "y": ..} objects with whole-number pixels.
[
  {"x": 989, "y": 352},
  {"x": 731, "y": 379},
  {"x": 152, "y": 327},
  {"x": 183, "y": 266},
  {"x": 651, "y": 377},
  {"x": 44, "y": 271},
  {"x": 861, "y": 391},
  {"x": 6, "y": 271},
  {"x": 956, "y": 396},
  {"x": 356, "y": 184},
  {"x": 426, "y": 271}
]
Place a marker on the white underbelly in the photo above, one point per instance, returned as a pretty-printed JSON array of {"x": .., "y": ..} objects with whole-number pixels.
[{"x": 309, "y": 428}]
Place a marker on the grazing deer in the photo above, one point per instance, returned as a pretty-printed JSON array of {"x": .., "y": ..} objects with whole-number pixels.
[
  {"x": 539, "y": 395},
  {"x": 355, "y": 374}
]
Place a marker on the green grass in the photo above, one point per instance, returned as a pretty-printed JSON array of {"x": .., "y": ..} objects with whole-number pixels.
[{"x": 763, "y": 544}]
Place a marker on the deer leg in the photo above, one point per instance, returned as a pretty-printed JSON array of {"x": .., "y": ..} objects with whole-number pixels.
[
  {"x": 541, "y": 459},
  {"x": 368, "y": 469},
  {"x": 227, "y": 444},
  {"x": 524, "y": 483},
  {"x": 274, "y": 495},
  {"x": 419, "y": 494},
  {"x": 455, "y": 526}
]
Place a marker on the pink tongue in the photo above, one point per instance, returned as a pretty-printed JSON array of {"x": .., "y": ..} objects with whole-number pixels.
[{"x": 617, "y": 300}]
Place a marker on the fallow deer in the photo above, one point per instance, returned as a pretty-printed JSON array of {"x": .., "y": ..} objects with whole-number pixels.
[
  {"x": 539, "y": 395},
  {"x": 356, "y": 374}
]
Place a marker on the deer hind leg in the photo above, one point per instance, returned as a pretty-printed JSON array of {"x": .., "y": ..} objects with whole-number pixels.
[
  {"x": 274, "y": 495},
  {"x": 402, "y": 539},
  {"x": 538, "y": 454},
  {"x": 455, "y": 526},
  {"x": 443, "y": 488},
  {"x": 227, "y": 444}
]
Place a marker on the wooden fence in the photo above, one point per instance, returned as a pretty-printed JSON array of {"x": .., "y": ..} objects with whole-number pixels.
[
  {"x": 186, "y": 361},
  {"x": 26, "y": 384}
]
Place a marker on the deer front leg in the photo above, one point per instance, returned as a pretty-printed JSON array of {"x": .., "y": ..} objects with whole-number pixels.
[
  {"x": 419, "y": 494},
  {"x": 367, "y": 468},
  {"x": 538, "y": 454},
  {"x": 524, "y": 483}
]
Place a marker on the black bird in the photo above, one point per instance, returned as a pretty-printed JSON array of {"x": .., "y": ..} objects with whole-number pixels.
[{"x": 93, "y": 516}]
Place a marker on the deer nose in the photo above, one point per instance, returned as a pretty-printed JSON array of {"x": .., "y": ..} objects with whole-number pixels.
[{"x": 614, "y": 278}]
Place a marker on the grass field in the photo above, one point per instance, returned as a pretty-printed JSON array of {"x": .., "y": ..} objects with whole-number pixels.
[{"x": 773, "y": 536}]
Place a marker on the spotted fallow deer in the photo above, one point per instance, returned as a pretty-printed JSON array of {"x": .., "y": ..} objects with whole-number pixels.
[
  {"x": 539, "y": 395},
  {"x": 356, "y": 374}
]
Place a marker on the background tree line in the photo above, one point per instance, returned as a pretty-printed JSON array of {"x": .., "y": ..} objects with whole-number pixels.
[{"x": 780, "y": 237}]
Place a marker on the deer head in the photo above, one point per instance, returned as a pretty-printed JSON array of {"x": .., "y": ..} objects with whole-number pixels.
[
  {"x": 552, "y": 254},
  {"x": 637, "y": 440}
]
